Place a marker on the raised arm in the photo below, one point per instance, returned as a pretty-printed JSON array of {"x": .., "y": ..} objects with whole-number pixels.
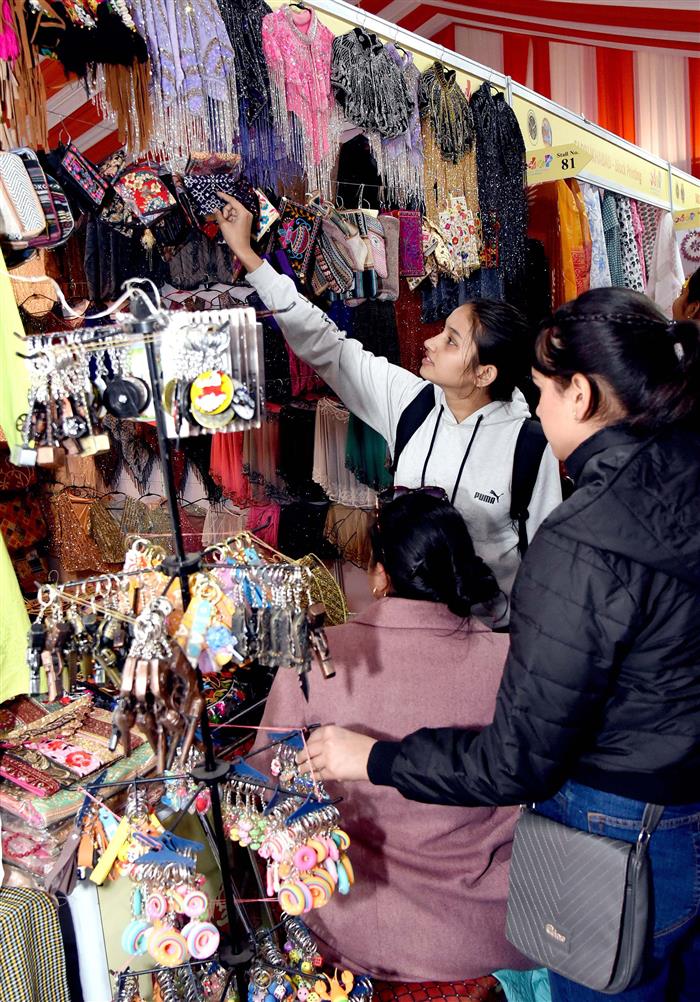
[{"x": 370, "y": 387}]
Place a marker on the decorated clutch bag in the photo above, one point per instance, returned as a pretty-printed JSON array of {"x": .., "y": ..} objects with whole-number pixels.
[
  {"x": 268, "y": 215},
  {"x": 144, "y": 193},
  {"x": 296, "y": 234},
  {"x": 201, "y": 162},
  {"x": 84, "y": 176},
  {"x": 52, "y": 234},
  {"x": 202, "y": 189}
]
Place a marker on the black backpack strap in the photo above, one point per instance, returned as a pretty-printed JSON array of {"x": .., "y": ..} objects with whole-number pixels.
[
  {"x": 410, "y": 420},
  {"x": 529, "y": 448}
]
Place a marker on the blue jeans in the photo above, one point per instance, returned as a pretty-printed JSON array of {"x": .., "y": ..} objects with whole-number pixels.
[{"x": 672, "y": 968}]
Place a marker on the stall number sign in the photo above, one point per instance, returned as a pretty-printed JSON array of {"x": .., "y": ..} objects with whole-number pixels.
[{"x": 554, "y": 162}]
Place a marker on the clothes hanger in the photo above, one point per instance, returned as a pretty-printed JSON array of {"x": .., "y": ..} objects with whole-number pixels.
[
  {"x": 38, "y": 295},
  {"x": 188, "y": 504}
]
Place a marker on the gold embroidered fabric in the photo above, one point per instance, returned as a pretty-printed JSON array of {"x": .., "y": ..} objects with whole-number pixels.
[
  {"x": 445, "y": 179},
  {"x": 69, "y": 542},
  {"x": 348, "y": 530}
]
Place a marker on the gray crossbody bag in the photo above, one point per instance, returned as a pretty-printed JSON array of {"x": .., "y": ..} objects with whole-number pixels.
[{"x": 579, "y": 903}]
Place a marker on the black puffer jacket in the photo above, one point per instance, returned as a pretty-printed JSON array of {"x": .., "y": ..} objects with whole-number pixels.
[{"x": 602, "y": 683}]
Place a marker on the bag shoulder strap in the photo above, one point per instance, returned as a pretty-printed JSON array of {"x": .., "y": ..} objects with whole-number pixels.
[
  {"x": 529, "y": 448},
  {"x": 650, "y": 818},
  {"x": 410, "y": 420}
]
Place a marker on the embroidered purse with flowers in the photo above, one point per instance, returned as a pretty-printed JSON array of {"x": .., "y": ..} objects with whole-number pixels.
[{"x": 144, "y": 193}]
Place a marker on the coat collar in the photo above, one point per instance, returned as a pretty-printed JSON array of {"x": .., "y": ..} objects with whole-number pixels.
[
  {"x": 409, "y": 614},
  {"x": 606, "y": 438}
]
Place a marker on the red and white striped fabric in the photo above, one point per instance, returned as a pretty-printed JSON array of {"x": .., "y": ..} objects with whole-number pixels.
[{"x": 632, "y": 67}]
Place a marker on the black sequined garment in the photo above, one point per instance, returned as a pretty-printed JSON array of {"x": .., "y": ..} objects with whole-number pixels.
[
  {"x": 243, "y": 20},
  {"x": 441, "y": 101},
  {"x": 369, "y": 86},
  {"x": 500, "y": 160}
]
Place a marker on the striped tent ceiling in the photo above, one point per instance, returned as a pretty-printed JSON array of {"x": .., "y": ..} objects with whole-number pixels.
[
  {"x": 669, "y": 26},
  {"x": 665, "y": 25}
]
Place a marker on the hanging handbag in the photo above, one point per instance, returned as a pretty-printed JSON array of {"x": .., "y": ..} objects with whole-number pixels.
[
  {"x": 202, "y": 189},
  {"x": 144, "y": 192},
  {"x": 63, "y": 211},
  {"x": 579, "y": 903},
  {"x": 21, "y": 215},
  {"x": 80, "y": 174},
  {"x": 52, "y": 233}
]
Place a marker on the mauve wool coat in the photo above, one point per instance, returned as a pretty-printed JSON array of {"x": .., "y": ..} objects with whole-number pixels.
[{"x": 429, "y": 901}]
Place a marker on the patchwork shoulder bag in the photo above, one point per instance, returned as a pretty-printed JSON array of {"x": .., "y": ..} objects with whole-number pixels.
[
  {"x": 52, "y": 234},
  {"x": 21, "y": 215}
]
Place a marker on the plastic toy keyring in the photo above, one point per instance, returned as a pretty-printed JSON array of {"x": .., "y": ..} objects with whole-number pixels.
[
  {"x": 214, "y": 421},
  {"x": 211, "y": 392},
  {"x": 242, "y": 402}
]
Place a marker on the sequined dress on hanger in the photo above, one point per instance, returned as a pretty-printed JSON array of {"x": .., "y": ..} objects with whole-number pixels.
[
  {"x": 299, "y": 65},
  {"x": 193, "y": 77}
]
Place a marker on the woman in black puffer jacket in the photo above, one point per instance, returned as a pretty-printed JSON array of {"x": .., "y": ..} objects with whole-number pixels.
[{"x": 599, "y": 709}]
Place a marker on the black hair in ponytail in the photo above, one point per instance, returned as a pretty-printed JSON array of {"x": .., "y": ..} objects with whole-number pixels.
[
  {"x": 425, "y": 547},
  {"x": 504, "y": 339},
  {"x": 626, "y": 347}
]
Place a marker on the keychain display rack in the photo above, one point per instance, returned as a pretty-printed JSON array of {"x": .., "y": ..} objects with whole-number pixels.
[
  {"x": 142, "y": 325},
  {"x": 212, "y": 771},
  {"x": 293, "y": 613}
]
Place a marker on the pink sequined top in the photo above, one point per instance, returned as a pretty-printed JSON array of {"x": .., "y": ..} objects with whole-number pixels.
[{"x": 299, "y": 62}]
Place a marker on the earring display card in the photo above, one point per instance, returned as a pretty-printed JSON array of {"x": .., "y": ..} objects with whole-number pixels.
[{"x": 213, "y": 372}]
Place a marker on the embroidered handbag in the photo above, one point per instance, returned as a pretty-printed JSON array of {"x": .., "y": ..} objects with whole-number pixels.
[
  {"x": 22, "y": 522},
  {"x": 411, "y": 263},
  {"x": 296, "y": 234},
  {"x": 213, "y": 163},
  {"x": 30, "y": 567},
  {"x": 63, "y": 211},
  {"x": 202, "y": 189},
  {"x": 144, "y": 193},
  {"x": 21, "y": 215},
  {"x": 268, "y": 216},
  {"x": 52, "y": 234},
  {"x": 85, "y": 181}
]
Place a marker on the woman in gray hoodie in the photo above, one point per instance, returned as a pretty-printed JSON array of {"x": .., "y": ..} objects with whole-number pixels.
[{"x": 466, "y": 444}]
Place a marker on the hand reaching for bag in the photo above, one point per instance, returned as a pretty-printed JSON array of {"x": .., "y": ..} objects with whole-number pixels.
[{"x": 235, "y": 223}]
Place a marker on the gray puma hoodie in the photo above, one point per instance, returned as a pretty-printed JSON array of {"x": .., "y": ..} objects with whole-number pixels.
[{"x": 378, "y": 392}]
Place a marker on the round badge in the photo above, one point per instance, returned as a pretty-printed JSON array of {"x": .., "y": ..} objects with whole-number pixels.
[
  {"x": 211, "y": 392},
  {"x": 243, "y": 402},
  {"x": 144, "y": 392},
  {"x": 532, "y": 125},
  {"x": 213, "y": 421},
  {"x": 169, "y": 395},
  {"x": 546, "y": 132}
]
